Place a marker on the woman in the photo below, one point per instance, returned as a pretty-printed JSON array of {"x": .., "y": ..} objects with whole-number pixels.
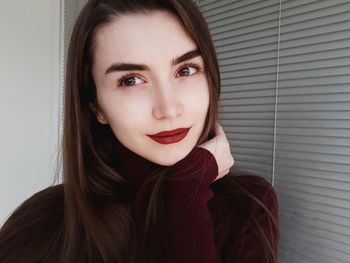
[{"x": 147, "y": 168}]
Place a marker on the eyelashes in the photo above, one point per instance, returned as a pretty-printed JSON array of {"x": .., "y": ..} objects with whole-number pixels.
[{"x": 130, "y": 79}]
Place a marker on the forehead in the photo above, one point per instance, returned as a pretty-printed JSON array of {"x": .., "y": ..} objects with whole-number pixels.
[{"x": 142, "y": 38}]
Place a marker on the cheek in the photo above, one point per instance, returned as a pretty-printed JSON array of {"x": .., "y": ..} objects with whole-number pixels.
[
  {"x": 198, "y": 98},
  {"x": 126, "y": 114}
]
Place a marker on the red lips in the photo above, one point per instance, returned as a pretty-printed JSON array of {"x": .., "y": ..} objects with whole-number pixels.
[
  {"x": 167, "y": 137},
  {"x": 170, "y": 133}
]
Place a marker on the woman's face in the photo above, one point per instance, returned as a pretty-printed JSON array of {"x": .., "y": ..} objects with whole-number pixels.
[{"x": 158, "y": 92}]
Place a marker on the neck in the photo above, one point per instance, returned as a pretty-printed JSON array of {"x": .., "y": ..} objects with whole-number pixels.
[{"x": 133, "y": 167}]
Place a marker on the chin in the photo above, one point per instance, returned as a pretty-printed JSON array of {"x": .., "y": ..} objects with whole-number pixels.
[
  {"x": 165, "y": 160},
  {"x": 166, "y": 163},
  {"x": 171, "y": 160}
]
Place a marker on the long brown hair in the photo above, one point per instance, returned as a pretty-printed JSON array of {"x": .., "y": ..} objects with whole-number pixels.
[
  {"x": 99, "y": 224},
  {"x": 94, "y": 192}
]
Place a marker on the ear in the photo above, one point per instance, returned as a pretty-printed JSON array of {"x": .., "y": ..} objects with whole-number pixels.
[{"x": 99, "y": 115}]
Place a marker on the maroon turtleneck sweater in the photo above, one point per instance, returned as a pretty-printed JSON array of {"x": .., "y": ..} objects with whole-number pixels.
[
  {"x": 205, "y": 222},
  {"x": 189, "y": 225}
]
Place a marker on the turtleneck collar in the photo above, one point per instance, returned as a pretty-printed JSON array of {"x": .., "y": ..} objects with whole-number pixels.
[{"x": 134, "y": 167}]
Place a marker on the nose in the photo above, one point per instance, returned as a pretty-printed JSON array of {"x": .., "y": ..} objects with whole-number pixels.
[{"x": 167, "y": 103}]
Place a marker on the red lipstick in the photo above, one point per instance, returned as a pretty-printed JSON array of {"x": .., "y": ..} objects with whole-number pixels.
[{"x": 167, "y": 137}]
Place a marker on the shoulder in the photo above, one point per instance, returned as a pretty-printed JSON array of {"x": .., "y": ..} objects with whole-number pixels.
[
  {"x": 49, "y": 198},
  {"x": 34, "y": 226},
  {"x": 244, "y": 204},
  {"x": 246, "y": 192},
  {"x": 263, "y": 191},
  {"x": 240, "y": 181}
]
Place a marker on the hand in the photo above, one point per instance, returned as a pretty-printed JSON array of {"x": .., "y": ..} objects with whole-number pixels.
[{"x": 220, "y": 148}]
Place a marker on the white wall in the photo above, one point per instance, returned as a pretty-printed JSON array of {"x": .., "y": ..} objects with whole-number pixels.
[{"x": 30, "y": 81}]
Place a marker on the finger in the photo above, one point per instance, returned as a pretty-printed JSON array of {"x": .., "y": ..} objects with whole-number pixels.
[
  {"x": 223, "y": 173},
  {"x": 219, "y": 128},
  {"x": 233, "y": 162}
]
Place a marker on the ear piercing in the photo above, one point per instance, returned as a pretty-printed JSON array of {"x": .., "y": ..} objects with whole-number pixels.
[{"x": 100, "y": 117}]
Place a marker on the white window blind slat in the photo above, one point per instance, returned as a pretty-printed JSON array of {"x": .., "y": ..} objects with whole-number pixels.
[
  {"x": 217, "y": 9},
  {"x": 248, "y": 94},
  {"x": 319, "y": 115},
  {"x": 310, "y": 253},
  {"x": 300, "y": 123},
  {"x": 247, "y": 101},
  {"x": 315, "y": 56},
  {"x": 235, "y": 73},
  {"x": 247, "y": 29},
  {"x": 311, "y": 9},
  {"x": 248, "y": 115},
  {"x": 327, "y": 133},
  {"x": 302, "y": 82},
  {"x": 316, "y": 64},
  {"x": 264, "y": 57},
  {"x": 312, "y": 73},
  {"x": 230, "y": 36},
  {"x": 270, "y": 77},
  {"x": 319, "y": 154},
  {"x": 321, "y": 175},
  {"x": 247, "y": 42},
  {"x": 244, "y": 20},
  {"x": 318, "y": 140},
  {"x": 302, "y": 21},
  {"x": 245, "y": 86},
  {"x": 300, "y": 204},
  {"x": 311, "y": 186}
]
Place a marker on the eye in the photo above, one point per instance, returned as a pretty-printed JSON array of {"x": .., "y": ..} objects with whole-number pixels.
[
  {"x": 129, "y": 80},
  {"x": 188, "y": 70}
]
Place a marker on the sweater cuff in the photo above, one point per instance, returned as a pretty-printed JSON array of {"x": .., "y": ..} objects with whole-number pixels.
[{"x": 199, "y": 164}]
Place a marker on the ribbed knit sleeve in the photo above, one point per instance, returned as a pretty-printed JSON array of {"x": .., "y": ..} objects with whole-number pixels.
[{"x": 189, "y": 229}]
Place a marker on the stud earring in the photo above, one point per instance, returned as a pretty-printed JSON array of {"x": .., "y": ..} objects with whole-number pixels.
[{"x": 100, "y": 117}]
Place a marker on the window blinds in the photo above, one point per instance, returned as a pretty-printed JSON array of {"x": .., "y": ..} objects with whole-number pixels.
[
  {"x": 313, "y": 129},
  {"x": 303, "y": 61}
]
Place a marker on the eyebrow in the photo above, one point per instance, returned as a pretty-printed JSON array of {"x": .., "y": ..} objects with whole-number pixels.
[{"x": 141, "y": 67}]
